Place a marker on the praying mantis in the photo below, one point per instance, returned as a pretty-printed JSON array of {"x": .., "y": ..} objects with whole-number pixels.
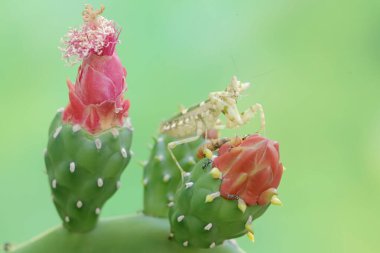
[{"x": 190, "y": 124}]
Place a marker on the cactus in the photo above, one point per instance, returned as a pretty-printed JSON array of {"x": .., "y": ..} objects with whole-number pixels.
[
  {"x": 215, "y": 200},
  {"x": 89, "y": 140}
]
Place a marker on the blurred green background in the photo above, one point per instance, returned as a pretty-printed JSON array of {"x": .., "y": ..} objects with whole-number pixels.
[{"x": 313, "y": 64}]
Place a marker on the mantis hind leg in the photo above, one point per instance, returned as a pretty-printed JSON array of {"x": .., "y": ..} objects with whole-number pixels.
[{"x": 173, "y": 144}]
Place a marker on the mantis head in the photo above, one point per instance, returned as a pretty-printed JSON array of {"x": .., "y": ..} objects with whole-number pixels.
[{"x": 236, "y": 87}]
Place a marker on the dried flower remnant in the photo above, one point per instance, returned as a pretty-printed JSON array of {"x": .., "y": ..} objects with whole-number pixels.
[{"x": 97, "y": 35}]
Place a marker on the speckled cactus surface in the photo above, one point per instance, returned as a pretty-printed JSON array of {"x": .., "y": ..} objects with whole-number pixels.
[
  {"x": 200, "y": 191},
  {"x": 200, "y": 217},
  {"x": 162, "y": 177},
  {"x": 84, "y": 170}
]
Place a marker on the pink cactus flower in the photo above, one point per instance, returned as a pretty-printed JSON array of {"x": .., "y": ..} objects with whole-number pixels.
[
  {"x": 251, "y": 169},
  {"x": 96, "y": 99}
]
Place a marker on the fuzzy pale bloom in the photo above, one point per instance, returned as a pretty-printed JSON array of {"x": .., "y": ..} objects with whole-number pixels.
[{"x": 100, "y": 38}]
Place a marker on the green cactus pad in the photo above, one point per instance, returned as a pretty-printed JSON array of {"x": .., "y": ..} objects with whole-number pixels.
[
  {"x": 84, "y": 170},
  {"x": 132, "y": 234},
  {"x": 197, "y": 223},
  {"x": 162, "y": 176}
]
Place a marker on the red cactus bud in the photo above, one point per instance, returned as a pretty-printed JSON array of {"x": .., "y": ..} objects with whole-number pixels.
[
  {"x": 96, "y": 99},
  {"x": 251, "y": 169}
]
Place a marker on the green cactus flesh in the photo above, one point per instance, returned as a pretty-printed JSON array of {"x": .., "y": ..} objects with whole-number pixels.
[
  {"x": 119, "y": 235},
  {"x": 196, "y": 222},
  {"x": 162, "y": 176},
  {"x": 84, "y": 170}
]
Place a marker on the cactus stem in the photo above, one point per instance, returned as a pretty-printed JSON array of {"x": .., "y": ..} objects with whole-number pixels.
[
  {"x": 45, "y": 151},
  {"x": 171, "y": 235},
  {"x": 242, "y": 205},
  {"x": 208, "y": 227},
  {"x": 60, "y": 109},
  {"x": 212, "y": 245},
  {"x": 54, "y": 183},
  {"x": 160, "y": 139},
  {"x": 216, "y": 173},
  {"x": 67, "y": 219},
  {"x": 124, "y": 152},
  {"x": 118, "y": 184},
  {"x": 212, "y": 196},
  {"x": 189, "y": 185},
  {"x": 72, "y": 167},
  {"x": 166, "y": 178},
  {"x": 159, "y": 158},
  {"x": 115, "y": 132},
  {"x": 97, "y": 211},
  {"x": 171, "y": 197},
  {"x": 276, "y": 201},
  {"x": 57, "y": 131},
  {"x": 100, "y": 182},
  {"x": 185, "y": 243},
  {"x": 251, "y": 236},
  {"x": 76, "y": 128},
  {"x": 180, "y": 218},
  {"x": 145, "y": 181},
  {"x": 208, "y": 153},
  {"x": 79, "y": 204},
  {"x": 98, "y": 144},
  {"x": 171, "y": 204}
]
